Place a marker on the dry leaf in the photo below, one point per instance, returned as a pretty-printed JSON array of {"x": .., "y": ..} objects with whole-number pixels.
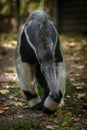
[
  {"x": 13, "y": 42},
  {"x": 49, "y": 127},
  {"x": 4, "y": 91},
  {"x": 20, "y": 116},
  {"x": 81, "y": 95},
  {"x": 71, "y": 44},
  {"x": 75, "y": 118},
  {"x": 64, "y": 123},
  {"x": 80, "y": 67},
  {"x": 19, "y": 104},
  {"x": 3, "y": 109}
]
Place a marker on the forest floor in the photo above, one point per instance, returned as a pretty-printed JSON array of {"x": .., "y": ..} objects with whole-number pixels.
[{"x": 14, "y": 111}]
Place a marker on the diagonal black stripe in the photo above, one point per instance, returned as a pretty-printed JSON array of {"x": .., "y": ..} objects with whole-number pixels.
[
  {"x": 57, "y": 98},
  {"x": 29, "y": 95}
]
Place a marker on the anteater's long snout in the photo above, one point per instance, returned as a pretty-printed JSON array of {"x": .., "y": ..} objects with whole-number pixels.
[
  {"x": 55, "y": 95},
  {"x": 50, "y": 75}
]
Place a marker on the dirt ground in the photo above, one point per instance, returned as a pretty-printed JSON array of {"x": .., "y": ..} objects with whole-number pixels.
[{"x": 13, "y": 105}]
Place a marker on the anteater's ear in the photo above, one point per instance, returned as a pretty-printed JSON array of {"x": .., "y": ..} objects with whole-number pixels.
[{"x": 58, "y": 54}]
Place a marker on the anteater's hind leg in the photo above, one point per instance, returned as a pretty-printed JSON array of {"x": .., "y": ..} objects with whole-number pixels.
[{"x": 26, "y": 74}]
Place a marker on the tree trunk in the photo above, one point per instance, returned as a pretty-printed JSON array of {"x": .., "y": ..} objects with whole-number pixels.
[{"x": 15, "y": 14}]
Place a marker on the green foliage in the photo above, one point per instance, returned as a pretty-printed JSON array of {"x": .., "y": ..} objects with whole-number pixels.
[
  {"x": 5, "y": 8},
  {"x": 9, "y": 39},
  {"x": 41, "y": 6},
  {"x": 22, "y": 125},
  {"x": 70, "y": 89},
  {"x": 22, "y": 7},
  {"x": 40, "y": 90},
  {"x": 2, "y": 1},
  {"x": 17, "y": 91}
]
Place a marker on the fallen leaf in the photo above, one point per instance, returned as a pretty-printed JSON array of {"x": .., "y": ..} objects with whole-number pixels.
[
  {"x": 80, "y": 67},
  {"x": 4, "y": 91},
  {"x": 19, "y": 104},
  {"x": 69, "y": 113},
  {"x": 3, "y": 109},
  {"x": 81, "y": 95},
  {"x": 67, "y": 96},
  {"x": 13, "y": 42},
  {"x": 75, "y": 118},
  {"x": 49, "y": 127},
  {"x": 64, "y": 124},
  {"x": 71, "y": 44},
  {"x": 79, "y": 88},
  {"x": 20, "y": 116}
]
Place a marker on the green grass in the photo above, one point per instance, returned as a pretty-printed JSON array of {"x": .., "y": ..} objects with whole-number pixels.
[
  {"x": 70, "y": 87},
  {"x": 21, "y": 125},
  {"x": 40, "y": 90},
  {"x": 17, "y": 91},
  {"x": 65, "y": 118}
]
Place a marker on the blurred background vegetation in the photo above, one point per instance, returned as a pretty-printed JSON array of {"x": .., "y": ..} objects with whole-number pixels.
[
  {"x": 69, "y": 16},
  {"x": 15, "y": 12}
]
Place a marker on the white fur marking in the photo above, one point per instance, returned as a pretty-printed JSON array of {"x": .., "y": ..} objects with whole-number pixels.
[
  {"x": 28, "y": 39},
  {"x": 50, "y": 104},
  {"x": 55, "y": 31},
  {"x": 61, "y": 104},
  {"x": 61, "y": 77},
  {"x": 34, "y": 101}
]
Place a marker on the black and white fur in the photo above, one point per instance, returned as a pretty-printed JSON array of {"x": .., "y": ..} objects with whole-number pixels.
[{"x": 38, "y": 58}]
